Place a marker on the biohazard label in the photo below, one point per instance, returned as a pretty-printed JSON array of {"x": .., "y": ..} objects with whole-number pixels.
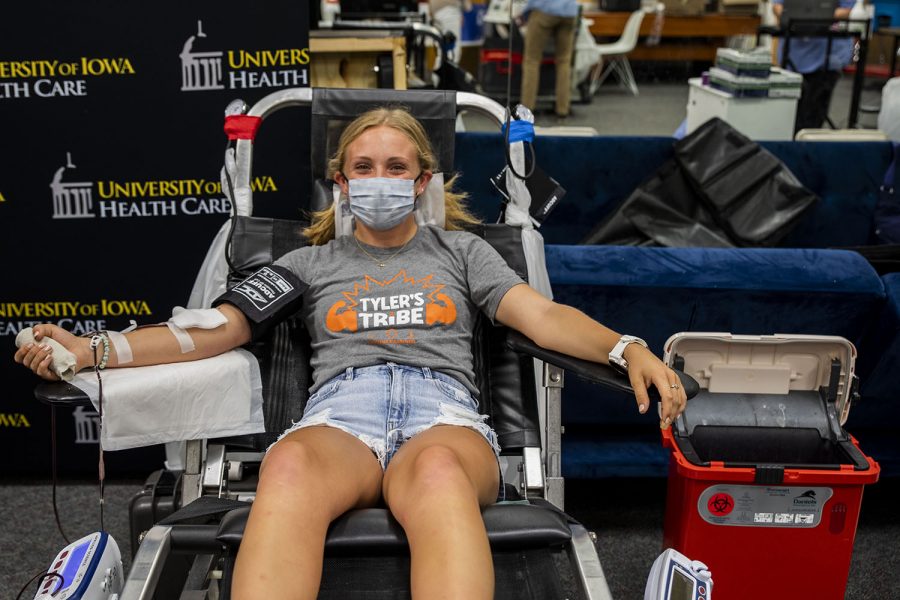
[{"x": 762, "y": 506}]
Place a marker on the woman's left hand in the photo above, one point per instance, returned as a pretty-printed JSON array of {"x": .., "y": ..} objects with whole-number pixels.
[{"x": 645, "y": 369}]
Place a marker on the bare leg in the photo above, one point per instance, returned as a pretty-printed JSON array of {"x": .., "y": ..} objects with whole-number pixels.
[
  {"x": 435, "y": 486},
  {"x": 307, "y": 479}
]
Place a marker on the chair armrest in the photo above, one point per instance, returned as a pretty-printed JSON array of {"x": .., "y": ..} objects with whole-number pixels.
[
  {"x": 593, "y": 372},
  {"x": 60, "y": 393}
]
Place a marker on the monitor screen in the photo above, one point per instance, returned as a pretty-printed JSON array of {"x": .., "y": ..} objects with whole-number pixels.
[
  {"x": 71, "y": 568},
  {"x": 682, "y": 586}
]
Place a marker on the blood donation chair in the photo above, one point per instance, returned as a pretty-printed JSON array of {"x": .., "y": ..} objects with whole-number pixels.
[{"x": 189, "y": 523}]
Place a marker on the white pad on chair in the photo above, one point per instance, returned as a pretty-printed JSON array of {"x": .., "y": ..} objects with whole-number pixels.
[
  {"x": 430, "y": 205},
  {"x": 343, "y": 218},
  {"x": 214, "y": 397}
]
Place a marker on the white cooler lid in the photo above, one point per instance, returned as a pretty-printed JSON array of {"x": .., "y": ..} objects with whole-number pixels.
[{"x": 773, "y": 365}]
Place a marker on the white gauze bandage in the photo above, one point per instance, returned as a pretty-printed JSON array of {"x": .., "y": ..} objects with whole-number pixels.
[
  {"x": 63, "y": 362},
  {"x": 186, "y": 318}
]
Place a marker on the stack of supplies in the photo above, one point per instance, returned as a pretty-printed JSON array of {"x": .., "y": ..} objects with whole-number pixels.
[
  {"x": 739, "y": 86},
  {"x": 784, "y": 83},
  {"x": 751, "y": 75},
  {"x": 753, "y": 63}
]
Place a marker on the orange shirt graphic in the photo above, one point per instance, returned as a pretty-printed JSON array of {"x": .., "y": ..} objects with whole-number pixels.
[{"x": 395, "y": 303}]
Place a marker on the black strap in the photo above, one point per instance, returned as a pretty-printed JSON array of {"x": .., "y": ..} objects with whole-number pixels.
[{"x": 201, "y": 508}]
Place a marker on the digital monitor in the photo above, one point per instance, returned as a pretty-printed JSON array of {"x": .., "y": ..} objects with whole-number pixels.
[
  {"x": 72, "y": 565},
  {"x": 682, "y": 586}
]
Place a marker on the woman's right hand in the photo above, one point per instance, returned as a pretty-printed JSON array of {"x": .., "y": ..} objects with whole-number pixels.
[{"x": 38, "y": 356}]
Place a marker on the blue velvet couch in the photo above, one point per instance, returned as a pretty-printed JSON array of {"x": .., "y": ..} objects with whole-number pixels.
[{"x": 804, "y": 286}]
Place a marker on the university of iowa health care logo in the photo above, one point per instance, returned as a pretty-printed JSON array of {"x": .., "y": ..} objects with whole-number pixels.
[
  {"x": 205, "y": 70},
  {"x": 145, "y": 198},
  {"x": 398, "y": 302}
]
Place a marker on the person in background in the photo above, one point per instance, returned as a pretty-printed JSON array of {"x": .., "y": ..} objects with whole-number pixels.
[
  {"x": 807, "y": 56},
  {"x": 548, "y": 18},
  {"x": 448, "y": 17}
]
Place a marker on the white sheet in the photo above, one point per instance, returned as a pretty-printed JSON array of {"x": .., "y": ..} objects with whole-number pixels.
[{"x": 214, "y": 397}]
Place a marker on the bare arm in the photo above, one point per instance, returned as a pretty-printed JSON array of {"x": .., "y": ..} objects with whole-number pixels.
[
  {"x": 568, "y": 330},
  {"x": 149, "y": 345}
]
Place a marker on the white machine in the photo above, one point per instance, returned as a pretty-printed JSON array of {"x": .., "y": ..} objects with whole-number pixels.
[
  {"x": 676, "y": 577},
  {"x": 87, "y": 569}
]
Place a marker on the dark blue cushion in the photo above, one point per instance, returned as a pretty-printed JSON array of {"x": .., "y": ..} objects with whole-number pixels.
[
  {"x": 599, "y": 173},
  {"x": 656, "y": 292},
  {"x": 880, "y": 369},
  {"x": 846, "y": 176}
]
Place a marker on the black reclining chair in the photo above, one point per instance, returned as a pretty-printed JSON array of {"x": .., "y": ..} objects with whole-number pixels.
[{"x": 539, "y": 552}]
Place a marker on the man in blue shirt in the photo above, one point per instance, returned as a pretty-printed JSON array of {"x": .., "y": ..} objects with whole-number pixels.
[
  {"x": 549, "y": 18},
  {"x": 806, "y": 55}
]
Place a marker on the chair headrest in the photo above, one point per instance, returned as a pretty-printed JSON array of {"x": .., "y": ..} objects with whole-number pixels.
[{"x": 333, "y": 109}]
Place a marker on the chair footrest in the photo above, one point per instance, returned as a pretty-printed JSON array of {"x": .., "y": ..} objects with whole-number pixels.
[{"x": 508, "y": 526}]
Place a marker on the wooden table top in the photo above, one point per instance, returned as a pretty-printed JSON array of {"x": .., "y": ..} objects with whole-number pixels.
[{"x": 611, "y": 24}]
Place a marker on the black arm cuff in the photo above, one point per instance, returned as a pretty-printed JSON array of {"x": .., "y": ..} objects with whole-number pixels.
[{"x": 266, "y": 298}]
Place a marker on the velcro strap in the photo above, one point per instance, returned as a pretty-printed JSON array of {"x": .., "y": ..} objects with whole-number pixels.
[{"x": 266, "y": 297}]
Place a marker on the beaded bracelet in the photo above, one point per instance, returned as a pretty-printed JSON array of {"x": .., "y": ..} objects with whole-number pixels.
[{"x": 96, "y": 340}]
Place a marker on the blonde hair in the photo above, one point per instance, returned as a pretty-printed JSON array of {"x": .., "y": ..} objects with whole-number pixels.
[{"x": 457, "y": 216}]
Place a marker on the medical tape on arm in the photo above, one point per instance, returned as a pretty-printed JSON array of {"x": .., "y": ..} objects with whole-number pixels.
[
  {"x": 121, "y": 345},
  {"x": 198, "y": 318}
]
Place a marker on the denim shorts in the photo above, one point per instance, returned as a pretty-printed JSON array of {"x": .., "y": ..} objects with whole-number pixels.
[{"x": 385, "y": 405}]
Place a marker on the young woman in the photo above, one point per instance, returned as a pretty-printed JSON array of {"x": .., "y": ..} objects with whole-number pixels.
[{"x": 392, "y": 414}]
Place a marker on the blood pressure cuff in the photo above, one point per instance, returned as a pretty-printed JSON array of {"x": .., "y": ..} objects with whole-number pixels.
[{"x": 267, "y": 297}]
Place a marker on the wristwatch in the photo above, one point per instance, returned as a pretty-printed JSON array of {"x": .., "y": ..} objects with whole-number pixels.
[{"x": 616, "y": 358}]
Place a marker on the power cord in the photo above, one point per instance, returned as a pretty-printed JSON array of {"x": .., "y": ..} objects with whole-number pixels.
[
  {"x": 233, "y": 201},
  {"x": 40, "y": 577},
  {"x": 101, "y": 467},
  {"x": 509, "y": 69},
  {"x": 53, "y": 473}
]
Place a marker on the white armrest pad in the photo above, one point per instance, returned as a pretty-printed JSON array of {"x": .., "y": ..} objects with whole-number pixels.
[{"x": 214, "y": 397}]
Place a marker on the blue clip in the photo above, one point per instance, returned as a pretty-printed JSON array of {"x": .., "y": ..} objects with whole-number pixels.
[{"x": 520, "y": 131}]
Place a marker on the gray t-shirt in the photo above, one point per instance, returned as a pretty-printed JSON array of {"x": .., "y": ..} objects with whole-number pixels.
[{"x": 419, "y": 309}]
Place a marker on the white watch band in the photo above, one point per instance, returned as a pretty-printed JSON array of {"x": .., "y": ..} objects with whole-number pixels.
[{"x": 616, "y": 355}]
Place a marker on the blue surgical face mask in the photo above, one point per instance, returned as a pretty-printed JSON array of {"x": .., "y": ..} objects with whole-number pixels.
[{"x": 382, "y": 203}]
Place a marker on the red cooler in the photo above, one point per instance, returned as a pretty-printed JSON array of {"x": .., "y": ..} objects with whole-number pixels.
[{"x": 765, "y": 486}]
